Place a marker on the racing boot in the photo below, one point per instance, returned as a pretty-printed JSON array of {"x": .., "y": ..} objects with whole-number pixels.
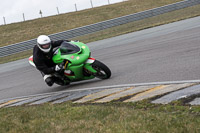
[{"x": 49, "y": 80}]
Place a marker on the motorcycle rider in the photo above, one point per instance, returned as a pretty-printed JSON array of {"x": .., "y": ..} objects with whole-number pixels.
[{"x": 42, "y": 57}]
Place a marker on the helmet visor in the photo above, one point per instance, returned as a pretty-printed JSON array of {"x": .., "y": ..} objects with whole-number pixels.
[{"x": 46, "y": 46}]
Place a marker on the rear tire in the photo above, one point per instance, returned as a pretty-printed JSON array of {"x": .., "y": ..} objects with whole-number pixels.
[{"x": 103, "y": 72}]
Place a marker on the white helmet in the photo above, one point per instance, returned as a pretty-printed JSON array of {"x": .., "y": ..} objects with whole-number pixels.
[{"x": 44, "y": 43}]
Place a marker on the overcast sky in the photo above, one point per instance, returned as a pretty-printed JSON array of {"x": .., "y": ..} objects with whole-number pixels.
[{"x": 12, "y": 10}]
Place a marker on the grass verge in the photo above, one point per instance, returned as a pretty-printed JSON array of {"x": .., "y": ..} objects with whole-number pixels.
[
  {"x": 123, "y": 29},
  {"x": 111, "y": 117}
]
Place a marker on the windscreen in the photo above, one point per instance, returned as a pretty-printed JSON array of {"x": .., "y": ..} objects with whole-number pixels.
[{"x": 68, "y": 48}]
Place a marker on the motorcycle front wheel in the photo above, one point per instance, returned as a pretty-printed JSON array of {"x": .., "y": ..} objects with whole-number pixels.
[{"x": 103, "y": 72}]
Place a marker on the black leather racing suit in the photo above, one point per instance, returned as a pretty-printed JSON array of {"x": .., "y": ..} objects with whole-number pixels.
[{"x": 43, "y": 61}]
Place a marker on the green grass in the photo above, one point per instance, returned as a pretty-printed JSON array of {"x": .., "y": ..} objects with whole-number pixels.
[{"x": 111, "y": 117}]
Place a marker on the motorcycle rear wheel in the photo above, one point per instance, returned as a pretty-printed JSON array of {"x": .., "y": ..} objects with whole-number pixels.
[{"x": 103, "y": 72}]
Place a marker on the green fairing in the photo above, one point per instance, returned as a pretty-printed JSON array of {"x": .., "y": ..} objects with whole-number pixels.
[
  {"x": 76, "y": 62},
  {"x": 76, "y": 58}
]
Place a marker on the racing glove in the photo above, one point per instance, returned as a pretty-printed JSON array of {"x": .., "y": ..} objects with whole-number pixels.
[{"x": 58, "y": 68}]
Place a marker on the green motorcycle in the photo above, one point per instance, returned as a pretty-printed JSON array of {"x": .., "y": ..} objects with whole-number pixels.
[{"x": 74, "y": 58}]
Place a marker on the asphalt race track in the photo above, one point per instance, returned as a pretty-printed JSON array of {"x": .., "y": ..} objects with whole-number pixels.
[{"x": 165, "y": 53}]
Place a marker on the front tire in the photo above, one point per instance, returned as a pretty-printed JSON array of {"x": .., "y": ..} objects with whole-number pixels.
[{"x": 103, "y": 72}]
